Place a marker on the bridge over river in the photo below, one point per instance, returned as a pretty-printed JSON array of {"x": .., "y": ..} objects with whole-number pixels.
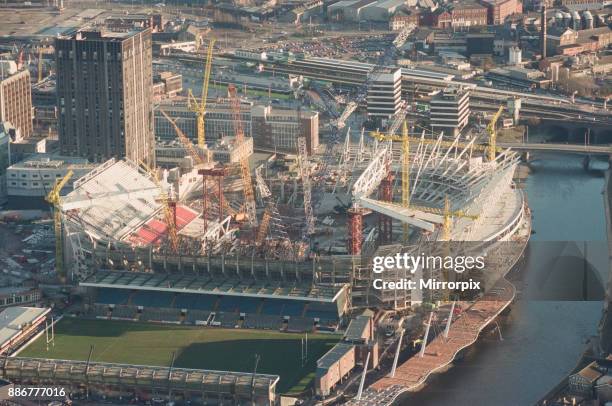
[{"x": 581, "y": 149}]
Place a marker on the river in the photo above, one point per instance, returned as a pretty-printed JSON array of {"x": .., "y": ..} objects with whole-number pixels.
[{"x": 559, "y": 297}]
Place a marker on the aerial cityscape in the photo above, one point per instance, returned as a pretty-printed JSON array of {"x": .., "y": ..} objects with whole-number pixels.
[{"x": 306, "y": 202}]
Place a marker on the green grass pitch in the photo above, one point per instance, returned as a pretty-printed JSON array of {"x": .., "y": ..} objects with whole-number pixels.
[{"x": 195, "y": 347}]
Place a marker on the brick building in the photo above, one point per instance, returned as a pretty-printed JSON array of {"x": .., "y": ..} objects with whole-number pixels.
[
  {"x": 463, "y": 14},
  {"x": 498, "y": 10}
]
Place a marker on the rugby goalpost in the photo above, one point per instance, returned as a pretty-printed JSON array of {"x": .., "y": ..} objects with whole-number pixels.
[{"x": 50, "y": 339}]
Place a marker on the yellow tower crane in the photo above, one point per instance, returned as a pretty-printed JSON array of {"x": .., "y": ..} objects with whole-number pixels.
[
  {"x": 200, "y": 107},
  {"x": 166, "y": 202},
  {"x": 493, "y": 134},
  {"x": 54, "y": 198},
  {"x": 405, "y": 140},
  {"x": 446, "y": 213},
  {"x": 249, "y": 195}
]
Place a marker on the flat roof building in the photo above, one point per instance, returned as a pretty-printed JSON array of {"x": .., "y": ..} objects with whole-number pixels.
[
  {"x": 271, "y": 128},
  {"x": 450, "y": 110},
  {"x": 384, "y": 94}
]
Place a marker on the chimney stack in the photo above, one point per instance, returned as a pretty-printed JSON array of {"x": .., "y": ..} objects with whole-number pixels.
[{"x": 543, "y": 29}]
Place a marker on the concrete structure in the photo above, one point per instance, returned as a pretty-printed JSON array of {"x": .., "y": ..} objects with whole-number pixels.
[
  {"x": 226, "y": 151},
  {"x": 543, "y": 34},
  {"x": 178, "y": 383},
  {"x": 450, "y": 110},
  {"x": 279, "y": 129},
  {"x": 35, "y": 177},
  {"x": 171, "y": 84},
  {"x": 514, "y": 107},
  {"x": 16, "y": 101},
  {"x": 104, "y": 95},
  {"x": 384, "y": 94},
  {"x": 271, "y": 128},
  {"x": 19, "y": 323},
  {"x": 515, "y": 56}
]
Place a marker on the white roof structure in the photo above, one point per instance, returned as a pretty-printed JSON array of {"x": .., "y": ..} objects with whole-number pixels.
[
  {"x": 112, "y": 200},
  {"x": 14, "y": 319}
]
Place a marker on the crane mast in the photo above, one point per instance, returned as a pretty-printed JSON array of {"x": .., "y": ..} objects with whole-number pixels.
[
  {"x": 168, "y": 208},
  {"x": 493, "y": 133},
  {"x": 200, "y": 107},
  {"x": 249, "y": 195},
  {"x": 54, "y": 198}
]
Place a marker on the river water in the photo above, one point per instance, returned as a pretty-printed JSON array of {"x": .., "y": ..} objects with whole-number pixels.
[{"x": 559, "y": 296}]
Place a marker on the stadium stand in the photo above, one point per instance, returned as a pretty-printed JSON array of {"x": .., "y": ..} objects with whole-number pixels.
[
  {"x": 262, "y": 321},
  {"x": 152, "y": 299},
  {"x": 177, "y": 298},
  {"x": 225, "y": 387},
  {"x": 197, "y": 316},
  {"x": 112, "y": 296},
  {"x": 272, "y": 307},
  {"x": 228, "y": 320},
  {"x": 250, "y": 305},
  {"x": 293, "y": 308},
  {"x": 322, "y": 311},
  {"x": 229, "y": 304},
  {"x": 198, "y": 302},
  {"x": 300, "y": 324},
  {"x": 124, "y": 312},
  {"x": 161, "y": 315}
]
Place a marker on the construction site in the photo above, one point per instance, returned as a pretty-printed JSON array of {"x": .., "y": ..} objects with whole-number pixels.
[{"x": 284, "y": 241}]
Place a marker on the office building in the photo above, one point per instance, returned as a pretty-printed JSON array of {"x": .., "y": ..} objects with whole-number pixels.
[
  {"x": 104, "y": 83},
  {"x": 34, "y": 177},
  {"x": 16, "y": 101},
  {"x": 384, "y": 94},
  {"x": 271, "y": 128},
  {"x": 450, "y": 111},
  {"x": 279, "y": 129}
]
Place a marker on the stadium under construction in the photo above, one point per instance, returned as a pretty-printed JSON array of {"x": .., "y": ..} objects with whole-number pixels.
[{"x": 292, "y": 248}]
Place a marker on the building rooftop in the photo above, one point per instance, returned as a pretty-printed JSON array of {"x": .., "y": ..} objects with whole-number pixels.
[
  {"x": 216, "y": 286},
  {"x": 39, "y": 161},
  {"x": 97, "y": 35},
  {"x": 356, "y": 328},
  {"x": 13, "y": 319},
  {"x": 334, "y": 355},
  {"x": 141, "y": 375}
]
